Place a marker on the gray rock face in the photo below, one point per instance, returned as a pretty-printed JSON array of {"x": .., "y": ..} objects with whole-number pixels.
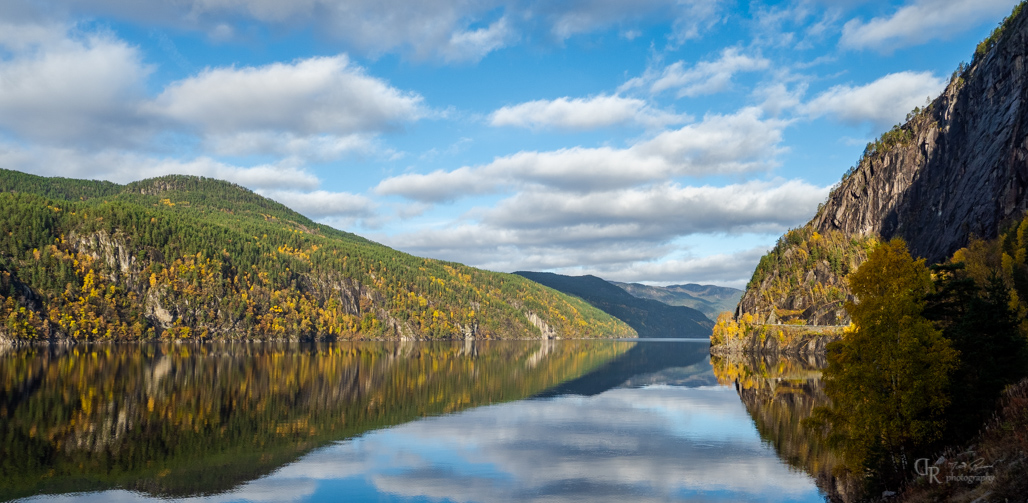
[
  {"x": 957, "y": 170},
  {"x": 964, "y": 173}
]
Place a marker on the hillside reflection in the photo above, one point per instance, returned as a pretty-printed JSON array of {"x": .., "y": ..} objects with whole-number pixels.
[
  {"x": 194, "y": 419},
  {"x": 779, "y": 392}
]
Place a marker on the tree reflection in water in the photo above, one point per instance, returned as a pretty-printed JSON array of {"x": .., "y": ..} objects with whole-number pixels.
[
  {"x": 779, "y": 393},
  {"x": 191, "y": 419}
]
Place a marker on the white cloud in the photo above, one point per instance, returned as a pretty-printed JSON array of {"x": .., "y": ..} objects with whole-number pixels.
[
  {"x": 322, "y": 204},
  {"x": 720, "y": 144},
  {"x": 318, "y": 147},
  {"x": 582, "y": 113},
  {"x": 665, "y": 210},
  {"x": 623, "y": 234},
  {"x": 707, "y": 77},
  {"x": 567, "y": 19},
  {"x": 921, "y": 21},
  {"x": 318, "y": 108},
  {"x": 778, "y": 97},
  {"x": 724, "y": 269},
  {"x": 444, "y": 30},
  {"x": 473, "y": 45},
  {"x": 123, "y": 166},
  {"x": 280, "y": 104},
  {"x": 59, "y": 88},
  {"x": 883, "y": 102}
]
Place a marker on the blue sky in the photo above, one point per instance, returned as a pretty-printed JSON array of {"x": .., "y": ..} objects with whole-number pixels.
[{"x": 657, "y": 141}]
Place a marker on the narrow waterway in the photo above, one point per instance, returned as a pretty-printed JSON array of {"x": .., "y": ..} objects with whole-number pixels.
[{"x": 469, "y": 421}]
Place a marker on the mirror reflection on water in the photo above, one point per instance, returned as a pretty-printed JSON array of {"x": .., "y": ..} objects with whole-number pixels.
[{"x": 461, "y": 421}]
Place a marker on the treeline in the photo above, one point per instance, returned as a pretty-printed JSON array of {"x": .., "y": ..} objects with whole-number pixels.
[
  {"x": 930, "y": 351},
  {"x": 188, "y": 257}
]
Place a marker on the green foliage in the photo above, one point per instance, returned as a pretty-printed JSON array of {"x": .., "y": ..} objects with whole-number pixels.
[
  {"x": 993, "y": 353},
  {"x": 986, "y": 45},
  {"x": 188, "y": 257},
  {"x": 888, "y": 380},
  {"x": 899, "y": 135},
  {"x": 785, "y": 271}
]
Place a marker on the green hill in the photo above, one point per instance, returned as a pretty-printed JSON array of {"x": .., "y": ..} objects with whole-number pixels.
[
  {"x": 190, "y": 257},
  {"x": 708, "y": 299},
  {"x": 649, "y": 318}
]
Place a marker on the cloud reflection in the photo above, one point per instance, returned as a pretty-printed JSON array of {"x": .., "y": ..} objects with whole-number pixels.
[
  {"x": 658, "y": 443},
  {"x": 652, "y": 443}
]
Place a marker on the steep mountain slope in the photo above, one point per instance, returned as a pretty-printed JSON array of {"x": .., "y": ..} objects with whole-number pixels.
[
  {"x": 957, "y": 168},
  {"x": 188, "y": 257},
  {"x": 648, "y": 317},
  {"x": 708, "y": 299}
]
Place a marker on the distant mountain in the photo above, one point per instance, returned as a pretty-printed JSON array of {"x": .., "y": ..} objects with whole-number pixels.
[
  {"x": 196, "y": 258},
  {"x": 708, "y": 299},
  {"x": 650, "y": 318}
]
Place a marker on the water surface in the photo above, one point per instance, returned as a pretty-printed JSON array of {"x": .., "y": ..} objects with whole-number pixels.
[{"x": 389, "y": 421}]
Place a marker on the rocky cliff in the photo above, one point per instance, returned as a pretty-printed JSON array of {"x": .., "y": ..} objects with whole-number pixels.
[{"x": 956, "y": 169}]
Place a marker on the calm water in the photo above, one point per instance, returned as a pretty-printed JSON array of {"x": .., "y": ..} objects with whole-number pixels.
[{"x": 389, "y": 421}]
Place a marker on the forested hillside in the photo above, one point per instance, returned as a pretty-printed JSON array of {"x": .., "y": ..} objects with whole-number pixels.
[
  {"x": 188, "y": 257},
  {"x": 648, "y": 317}
]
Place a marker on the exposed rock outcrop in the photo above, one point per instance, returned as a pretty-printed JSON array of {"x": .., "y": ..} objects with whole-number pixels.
[{"x": 956, "y": 169}]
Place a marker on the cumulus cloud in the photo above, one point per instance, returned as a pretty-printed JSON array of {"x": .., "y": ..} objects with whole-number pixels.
[
  {"x": 72, "y": 91},
  {"x": 126, "y": 166},
  {"x": 320, "y": 204},
  {"x": 285, "y": 108},
  {"x": 624, "y": 234},
  {"x": 707, "y": 77},
  {"x": 778, "y": 97},
  {"x": 660, "y": 211},
  {"x": 921, "y": 21},
  {"x": 442, "y": 30},
  {"x": 315, "y": 147},
  {"x": 719, "y": 144},
  {"x": 61, "y": 88},
  {"x": 582, "y": 113},
  {"x": 567, "y": 19},
  {"x": 431, "y": 29},
  {"x": 476, "y": 44},
  {"x": 726, "y": 269},
  {"x": 883, "y": 102}
]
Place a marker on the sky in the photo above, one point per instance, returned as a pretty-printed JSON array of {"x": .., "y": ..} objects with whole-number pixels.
[{"x": 654, "y": 141}]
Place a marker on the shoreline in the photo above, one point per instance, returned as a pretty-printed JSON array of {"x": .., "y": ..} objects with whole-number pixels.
[{"x": 20, "y": 343}]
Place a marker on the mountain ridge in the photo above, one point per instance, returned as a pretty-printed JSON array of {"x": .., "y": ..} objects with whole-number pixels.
[
  {"x": 954, "y": 170},
  {"x": 649, "y": 318},
  {"x": 711, "y": 300},
  {"x": 196, "y": 258}
]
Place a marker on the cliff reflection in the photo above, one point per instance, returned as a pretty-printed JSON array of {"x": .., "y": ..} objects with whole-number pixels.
[
  {"x": 779, "y": 392},
  {"x": 190, "y": 419}
]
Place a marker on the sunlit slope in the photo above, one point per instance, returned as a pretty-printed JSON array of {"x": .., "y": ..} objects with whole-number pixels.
[{"x": 187, "y": 257}]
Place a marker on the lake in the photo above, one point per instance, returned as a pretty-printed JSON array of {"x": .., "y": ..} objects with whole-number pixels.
[{"x": 551, "y": 420}]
